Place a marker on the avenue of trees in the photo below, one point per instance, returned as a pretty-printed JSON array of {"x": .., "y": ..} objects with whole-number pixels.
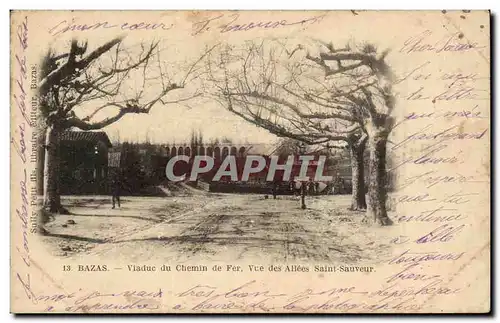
[
  {"x": 318, "y": 94},
  {"x": 310, "y": 91},
  {"x": 86, "y": 89}
]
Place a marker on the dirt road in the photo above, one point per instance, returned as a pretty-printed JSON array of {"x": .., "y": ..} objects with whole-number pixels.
[{"x": 216, "y": 227}]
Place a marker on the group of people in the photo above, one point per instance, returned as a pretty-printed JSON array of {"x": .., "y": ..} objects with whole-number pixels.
[
  {"x": 311, "y": 188},
  {"x": 314, "y": 188},
  {"x": 295, "y": 187}
]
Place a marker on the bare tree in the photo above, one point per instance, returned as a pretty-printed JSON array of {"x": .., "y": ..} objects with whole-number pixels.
[
  {"x": 370, "y": 78},
  {"x": 91, "y": 89},
  {"x": 269, "y": 86}
]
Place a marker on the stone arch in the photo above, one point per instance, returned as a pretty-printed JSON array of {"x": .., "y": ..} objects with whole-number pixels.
[
  {"x": 202, "y": 151},
  {"x": 210, "y": 151},
  {"x": 217, "y": 153},
  {"x": 233, "y": 151},
  {"x": 241, "y": 152},
  {"x": 180, "y": 151},
  {"x": 167, "y": 151},
  {"x": 187, "y": 151},
  {"x": 173, "y": 151},
  {"x": 225, "y": 152}
]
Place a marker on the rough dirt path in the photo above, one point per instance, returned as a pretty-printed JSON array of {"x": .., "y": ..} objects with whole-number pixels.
[{"x": 220, "y": 227}]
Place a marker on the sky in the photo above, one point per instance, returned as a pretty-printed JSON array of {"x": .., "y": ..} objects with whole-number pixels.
[{"x": 174, "y": 123}]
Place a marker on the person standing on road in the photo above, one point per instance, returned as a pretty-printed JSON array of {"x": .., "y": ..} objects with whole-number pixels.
[
  {"x": 276, "y": 185},
  {"x": 310, "y": 187},
  {"x": 116, "y": 186}
]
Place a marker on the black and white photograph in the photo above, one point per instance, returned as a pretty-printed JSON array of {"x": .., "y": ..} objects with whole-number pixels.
[
  {"x": 348, "y": 150},
  {"x": 104, "y": 184}
]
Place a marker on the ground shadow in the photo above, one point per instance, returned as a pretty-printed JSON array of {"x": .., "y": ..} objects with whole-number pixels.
[
  {"x": 119, "y": 216},
  {"x": 72, "y": 237}
]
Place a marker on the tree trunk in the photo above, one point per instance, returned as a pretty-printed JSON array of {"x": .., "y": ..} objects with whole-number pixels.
[
  {"x": 358, "y": 201},
  {"x": 51, "y": 197},
  {"x": 377, "y": 189},
  {"x": 303, "y": 196}
]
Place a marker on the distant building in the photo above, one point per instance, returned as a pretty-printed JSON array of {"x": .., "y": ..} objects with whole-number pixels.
[
  {"x": 337, "y": 165},
  {"x": 84, "y": 162},
  {"x": 219, "y": 151}
]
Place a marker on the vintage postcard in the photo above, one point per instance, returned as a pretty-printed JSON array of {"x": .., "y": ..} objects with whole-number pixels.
[{"x": 250, "y": 161}]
